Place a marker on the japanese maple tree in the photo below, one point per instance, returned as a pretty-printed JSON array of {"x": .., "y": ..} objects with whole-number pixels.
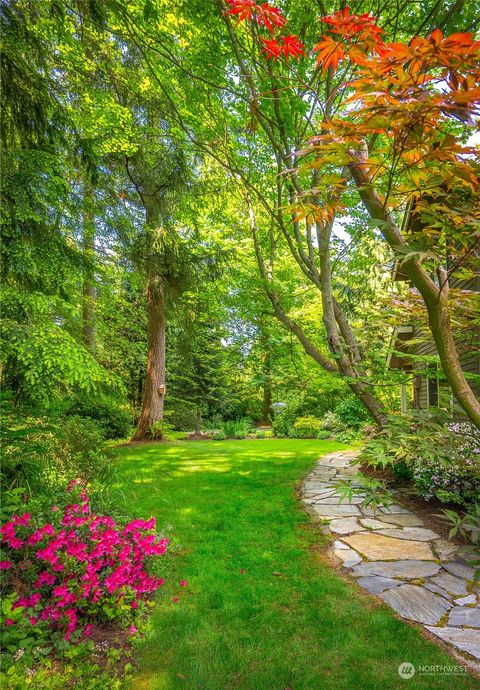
[{"x": 392, "y": 127}]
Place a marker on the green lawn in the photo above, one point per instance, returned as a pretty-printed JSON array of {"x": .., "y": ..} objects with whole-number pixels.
[{"x": 263, "y": 610}]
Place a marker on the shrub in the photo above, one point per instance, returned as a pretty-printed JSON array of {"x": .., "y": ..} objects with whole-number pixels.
[
  {"x": 323, "y": 434},
  {"x": 306, "y": 427},
  {"x": 112, "y": 414},
  {"x": 345, "y": 436},
  {"x": 238, "y": 428},
  {"x": 442, "y": 461},
  {"x": 331, "y": 422},
  {"x": 284, "y": 420},
  {"x": 218, "y": 436},
  {"x": 468, "y": 527},
  {"x": 75, "y": 570},
  {"x": 40, "y": 455},
  {"x": 352, "y": 413},
  {"x": 160, "y": 430},
  {"x": 260, "y": 433}
]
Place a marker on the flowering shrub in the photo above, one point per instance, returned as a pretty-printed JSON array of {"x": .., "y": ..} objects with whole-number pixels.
[
  {"x": 78, "y": 569},
  {"x": 442, "y": 458}
]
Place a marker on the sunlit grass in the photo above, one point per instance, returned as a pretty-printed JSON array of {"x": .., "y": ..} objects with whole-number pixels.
[{"x": 263, "y": 609}]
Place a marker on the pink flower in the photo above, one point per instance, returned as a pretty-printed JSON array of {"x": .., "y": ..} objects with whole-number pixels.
[
  {"x": 5, "y": 565},
  {"x": 134, "y": 605},
  {"x": 33, "y": 620},
  {"x": 175, "y": 599},
  {"x": 8, "y": 621},
  {"x": 183, "y": 583},
  {"x": 45, "y": 578},
  {"x": 132, "y": 630},
  {"x": 16, "y": 543},
  {"x": 88, "y": 629},
  {"x": 53, "y": 509},
  {"x": 24, "y": 519}
]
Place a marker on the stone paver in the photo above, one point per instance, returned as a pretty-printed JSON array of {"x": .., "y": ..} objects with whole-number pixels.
[
  {"x": 415, "y": 533},
  {"x": 404, "y": 520},
  {"x": 460, "y": 569},
  {"x": 392, "y": 555},
  {"x": 408, "y": 570},
  {"x": 376, "y": 584},
  {"x": 376, "y": 547},
  {"x": 345, "y": 525},
  {"x": 335, "y": 511},
  {"x": 416, "y": 603},
  {"x": 462, "y": 638},
  {"x": 465, "y": 615},
  {"x": 452, "y": 584}
]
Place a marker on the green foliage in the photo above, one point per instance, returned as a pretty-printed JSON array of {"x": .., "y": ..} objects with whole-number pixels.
[
  {"x": 323, "y": 434},
  {"x": 375, "y": 490},
  {"x": 41, "y": 454},
  {"x": 160, "y": 430},
  {"x": 111, "y": 414},
  {"x": 306, "y": 427},
  {"x": 283, "y": 421},
  {"x": 442, "y": 462},
  {"x": 237, "y": 428},
  {"x": 352, "y": 413},
  {"x": 468, "y": 527},
  {"x": 218, "y": 436},
  {"x": 260, "y": 434},
  {"x": 332, "y": 422}
]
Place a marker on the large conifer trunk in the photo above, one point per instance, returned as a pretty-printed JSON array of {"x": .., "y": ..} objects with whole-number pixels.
[{"x": 153, "y": 395}]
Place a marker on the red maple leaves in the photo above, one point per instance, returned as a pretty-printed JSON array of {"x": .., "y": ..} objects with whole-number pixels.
[
  {"x": 270, "y": 18},
  {"x": 355, "y": 35},
  {"x": 266, "y": 15},
  {"x": 288, "y": 46}
]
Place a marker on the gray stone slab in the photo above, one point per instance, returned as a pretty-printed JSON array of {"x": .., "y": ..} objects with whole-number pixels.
[
  {"x": 460, "y": 568},
  {"x": 376, "y": 584},
  {"x": 395, "y": 509},
  {"x": 416, "y": 603},
  {"x": 466, "y": 639},
  {"x": 371, "y": 523},
  {"x": 415, "y": 533},
  {"x": 349, "y": 557},
  {"x": 336, "y": 500},
  {"x": 330, "y": 512},
  {"x": 340, "y": 545},
  {"x": 465, "y": 615},
  {"x": 402, "y": 519},
  {"x": 345, "y": 525},
  {"x": 452, "y": 584},
  {"x": 438, "y": 590},
  {"x": 405, "y": 569},
  {"x": 463, "y": 601}
]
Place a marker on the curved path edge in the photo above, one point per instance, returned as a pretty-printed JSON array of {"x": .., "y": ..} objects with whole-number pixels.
[{"x": 393, "y": 556}]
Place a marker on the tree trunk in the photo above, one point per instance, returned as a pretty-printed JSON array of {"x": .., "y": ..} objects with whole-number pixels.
[
  {"x": 267, "y": 384},
  {"x": 344, "y": 360},
  {"x": 153, "y": 395},
  {"x": 434, "y": 297},
  {"x": 198, "y": 421},
  {"x": 88, "y": 288}
]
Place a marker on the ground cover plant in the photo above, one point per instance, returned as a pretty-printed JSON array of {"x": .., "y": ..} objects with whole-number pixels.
[{"x": 263, "y": 608}]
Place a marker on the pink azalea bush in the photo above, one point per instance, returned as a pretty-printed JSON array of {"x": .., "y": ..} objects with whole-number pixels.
[{"x": 79, "y": 568}]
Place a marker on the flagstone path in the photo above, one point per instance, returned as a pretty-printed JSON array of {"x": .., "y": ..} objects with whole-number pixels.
[{"x": 392, "y": 555}]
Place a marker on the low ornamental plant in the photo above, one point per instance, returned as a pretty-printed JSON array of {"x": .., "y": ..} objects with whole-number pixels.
[{"x": 77, "y": 570}]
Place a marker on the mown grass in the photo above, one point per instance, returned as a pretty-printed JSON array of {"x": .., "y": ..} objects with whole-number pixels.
[{"x": 263, "y": 609}]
